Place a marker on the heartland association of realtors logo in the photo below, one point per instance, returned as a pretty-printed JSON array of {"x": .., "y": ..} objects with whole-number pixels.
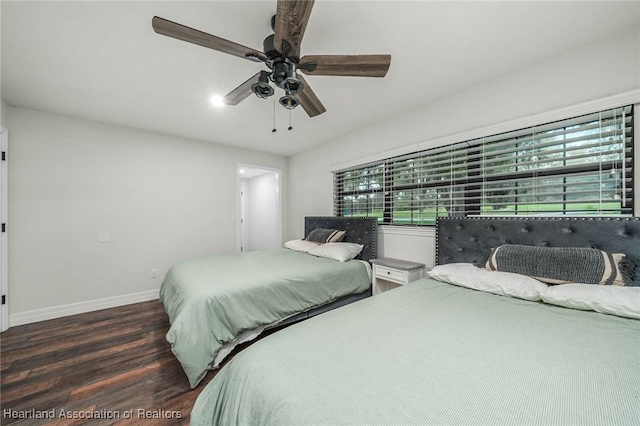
[{"x": 139, "y": 413}]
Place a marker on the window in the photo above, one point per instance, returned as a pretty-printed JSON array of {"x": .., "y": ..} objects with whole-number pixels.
[{"x": 578, "y": 166}]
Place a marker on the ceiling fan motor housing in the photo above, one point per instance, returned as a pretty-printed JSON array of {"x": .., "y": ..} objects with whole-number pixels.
[{"x": 269, "y": 48}]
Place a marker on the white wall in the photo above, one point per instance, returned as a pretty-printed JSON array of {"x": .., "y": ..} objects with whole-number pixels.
[
  {"x": 2, "y": 105},
  {"x": 596, "y": 71},
  {"x": 160, "y": 198},
  {"x": 3, "y": 114},
  {"x": 263, "y": 210}
]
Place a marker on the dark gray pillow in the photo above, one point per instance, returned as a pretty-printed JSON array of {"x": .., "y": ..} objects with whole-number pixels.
[
  {"x": 560, "y": 265},
  {"x": 324, "y": 235}
]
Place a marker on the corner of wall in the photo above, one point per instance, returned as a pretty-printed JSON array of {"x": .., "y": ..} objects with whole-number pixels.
[{"x": 4, "y": 120}]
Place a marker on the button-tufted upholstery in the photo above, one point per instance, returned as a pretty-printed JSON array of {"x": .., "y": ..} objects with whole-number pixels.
[
  {"x": 470, "y": 240},
  {"x": 360, "y": 230}
]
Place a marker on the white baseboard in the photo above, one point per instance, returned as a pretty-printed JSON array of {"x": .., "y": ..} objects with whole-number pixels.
[{"x": 44, "y": 314}]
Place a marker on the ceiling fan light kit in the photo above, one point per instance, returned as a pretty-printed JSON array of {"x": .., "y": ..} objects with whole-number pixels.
[
  {"x": 289, "y": 101},
  {"x": 291, "y": 84},
  {"x": 262, "y": 88},
  {"x": 282, "y": 56}
]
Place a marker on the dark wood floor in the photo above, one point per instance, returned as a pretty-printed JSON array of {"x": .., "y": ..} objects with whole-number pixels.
[{"x": 115, "y": 360}]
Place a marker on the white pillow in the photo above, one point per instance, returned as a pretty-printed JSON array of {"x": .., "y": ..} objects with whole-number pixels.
[
  {"x": 337, "y": 251},
  {"x": 615, "y": 300},
  {"x": 496, "y": 282},
  {"x": 301, "y": 245}
]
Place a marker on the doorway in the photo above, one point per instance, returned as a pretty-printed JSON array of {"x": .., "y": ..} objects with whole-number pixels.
[{"x": 259, "y": 207}]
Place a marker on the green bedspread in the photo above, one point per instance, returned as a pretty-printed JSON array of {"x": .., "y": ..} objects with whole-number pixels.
[
  {"x": 211, "y": 300},
  {"x": 432, "y": 353}
]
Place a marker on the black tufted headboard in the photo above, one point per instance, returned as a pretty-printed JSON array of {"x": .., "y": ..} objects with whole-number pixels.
[
  {"x": 469, "y": 240},
  {"x": 360, "y": 230}
]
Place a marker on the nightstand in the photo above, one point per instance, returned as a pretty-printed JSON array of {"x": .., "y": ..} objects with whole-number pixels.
[{"x": 390, "y": 273}]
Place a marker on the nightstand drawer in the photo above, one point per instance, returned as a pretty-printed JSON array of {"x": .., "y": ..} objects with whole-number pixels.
[{"x": 390, "y": 274}]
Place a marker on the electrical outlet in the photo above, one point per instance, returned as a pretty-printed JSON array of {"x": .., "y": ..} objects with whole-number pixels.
[{"x": 154, "y": 273}]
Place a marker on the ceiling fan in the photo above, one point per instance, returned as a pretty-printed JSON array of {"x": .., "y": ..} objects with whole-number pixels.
[{"x": 282, "y": 57}]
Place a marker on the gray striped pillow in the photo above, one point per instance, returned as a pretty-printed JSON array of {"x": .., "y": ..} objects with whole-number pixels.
[
  {"x": 324, "y": 235},
  {"x": 561, "y": 265}
]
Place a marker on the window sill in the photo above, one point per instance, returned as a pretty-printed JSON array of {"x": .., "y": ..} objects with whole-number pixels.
[{"x": 416, "y": 231}]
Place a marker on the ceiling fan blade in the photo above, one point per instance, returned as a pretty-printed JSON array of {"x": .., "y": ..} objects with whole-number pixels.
[
  {"x": 241, "y": 92},
  {"x": 308, "y": 100},
  {"x": 292, "y": 17},
  {"x": 190, "y": 35},
  {"x": 346, "y": 65}
]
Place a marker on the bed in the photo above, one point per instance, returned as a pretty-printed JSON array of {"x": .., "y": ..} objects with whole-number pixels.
[
  {"x": 215, "y": 303},
  {"x": 437, "y": 353}
]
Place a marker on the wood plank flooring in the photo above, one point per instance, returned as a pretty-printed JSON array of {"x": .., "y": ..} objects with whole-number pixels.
[{"x": 106, "y": 362}]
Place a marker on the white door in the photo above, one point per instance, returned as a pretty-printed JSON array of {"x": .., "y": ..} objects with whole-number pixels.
[{"x": 4, "y": 275}]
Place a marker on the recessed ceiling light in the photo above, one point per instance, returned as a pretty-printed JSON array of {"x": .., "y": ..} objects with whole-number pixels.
[
  {"x": 217, "y": 101},
  {"x": 241, "y": 171}
]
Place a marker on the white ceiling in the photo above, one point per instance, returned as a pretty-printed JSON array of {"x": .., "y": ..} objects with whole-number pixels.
[{"x": 102, "y": 60}]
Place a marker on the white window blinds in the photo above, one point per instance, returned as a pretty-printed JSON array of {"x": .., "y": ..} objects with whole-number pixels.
[{"x": 579, "y": 166}]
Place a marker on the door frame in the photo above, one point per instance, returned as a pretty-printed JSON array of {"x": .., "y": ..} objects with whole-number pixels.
[
  {"x": 241, "y": 208},
  {"x": 4, "y": 239}
]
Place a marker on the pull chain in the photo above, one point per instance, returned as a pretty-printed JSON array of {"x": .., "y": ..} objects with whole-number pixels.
[
  {"x": 274, "y": 116},
  {"x": 290, "y": 127}
]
